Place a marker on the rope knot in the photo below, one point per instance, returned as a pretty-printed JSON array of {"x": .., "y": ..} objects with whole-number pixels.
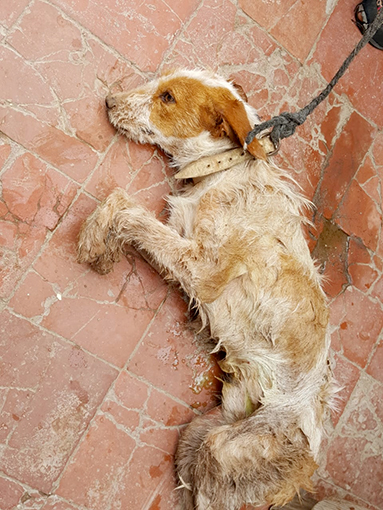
[{"x": 283, "y": 125}]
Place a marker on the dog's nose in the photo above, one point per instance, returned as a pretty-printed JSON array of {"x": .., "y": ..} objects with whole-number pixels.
[{"x": 110, "y": 102}]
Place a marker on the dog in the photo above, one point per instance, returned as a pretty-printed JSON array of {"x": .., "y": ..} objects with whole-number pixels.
[{"x": 234, "y": 242}]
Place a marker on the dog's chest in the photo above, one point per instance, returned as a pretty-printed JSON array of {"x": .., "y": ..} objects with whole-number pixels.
[{"x": 183, "y": 212}]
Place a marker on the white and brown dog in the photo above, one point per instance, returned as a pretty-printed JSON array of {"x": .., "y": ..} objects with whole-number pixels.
[{"x": 234, "y": 242}]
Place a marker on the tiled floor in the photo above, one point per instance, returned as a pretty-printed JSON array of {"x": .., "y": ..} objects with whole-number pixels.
[{"x": 98, "y": 373}]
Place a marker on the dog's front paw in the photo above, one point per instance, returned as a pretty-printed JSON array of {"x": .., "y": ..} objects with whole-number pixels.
[{"x": 98, "y": 243}]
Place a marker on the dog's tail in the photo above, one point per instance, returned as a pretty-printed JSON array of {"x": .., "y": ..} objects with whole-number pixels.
[{"x": 259, "y": 459}]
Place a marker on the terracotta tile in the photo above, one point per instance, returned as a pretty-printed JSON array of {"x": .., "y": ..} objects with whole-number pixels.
[
  {"x": 312, "y": 16},
  {"x": 375, "y": 367},
  {"x": 331, "y": 253},
  {"x": 156, "y": 29},
  {"x": 347, "y": 155},
  {"x": 113, "y": 332},
  {"x": 35, "y": 193},
  {"x": 337, "y": 310},
  {"x": 331, "y": 124},
  {"x": 92, "y": 478},
  {"x": 73, "y": 157},
  {"x": 77, "y": 69},
  {"x": 377, "y": 149},
  {"x": 170, "y": 360},
  {"x": 359, "y": 215},
  {"x": 10, "y": 493},
  {"x": 377, "y": 290},
  {"x": 24, "y": 352},
  {"x": 13, "y": 86},
  {"x": 17, "y": 402},
  {"x": 361, "y": 326},
  {"x": 60, "y": 505},
  {"x": 57, "y": 264},
  {"x": 20, "y": 243},
  {"x": 71, "y": 386},
  {"x": 373, "y": 189},
  {"x": 43, "y": 29},
  {"x": 266, "y": 13},
  {"x": 363, "y": 74},
  {"x": 148, "y": 470},
  {"x": 31, "y": 296},
  {"x": 324, "y": 490},
  {"x": 155, "y": 287},
  {"x": 357, "y": 252},
  {"x": 5, "y": 151},
  {"x": 362, "y": 277},
  {"x": 366, "y": 171},
  {"x": 9, "y": 12},
  {"x": 88, "y": 117},
  {"x": 121, "y": 165},
  {"x": 346, "y": 375},
  {"x": 354, "y": 460}
]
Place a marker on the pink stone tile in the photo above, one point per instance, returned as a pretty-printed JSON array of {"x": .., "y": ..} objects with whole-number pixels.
[
  {"x": 375, "y": 367},
  {"x": 310, "y": 15},
  {"x": 362, "y": 277},
  {"x": 32, "y": 295},
  {"x": 88, "y": 117},
  {"x": 170, "y": 359},
  {"x": 13, "y": 84},
  {"x": 73, "y": 157},
  {"x": 119, "y": 167},
  {"x": 16, "y": 404},
  {"x": 5, "y": 151},
  {"x": 60, "y": 505},
  {"x": 148, "y": 470},
  {"x": 346, "y": 158},
  {"x": 366, "y": 171},
  {"x": 57, "y": 264},
  {"x": 113, "y": 332},
  {"x": 20, "y": 243},
  {"x": 154, "y": 286},
  {"x": 346, "y": 375},
  {"x": 330, "y": 251},
  {"x": 9, "y": 12},
  {"x": 361, "y": 326},
  {"x": 24, "y": 352},
  {"x": 10, "y": 493},
  {"x": 142, "y": 42},
  {"x": 377, "y": 149},
  {"x": 359, "y": 215},
  {"x": 264, "y": 12},
  {"x": 364, "y": 74},
  {"x": 92, "y": 478},
  {"x": 72, "y": 387},
  {"x": 42, "y": 31},
  {"x": 35, "y": 193},
  {"x": 354, "y": 460}
]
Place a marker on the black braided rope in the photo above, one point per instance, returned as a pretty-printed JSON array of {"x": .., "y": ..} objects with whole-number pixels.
[{"x": 284, "y": 125}]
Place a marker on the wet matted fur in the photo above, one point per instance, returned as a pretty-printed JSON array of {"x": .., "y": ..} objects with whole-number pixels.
[{"x": 234, "y": 242}]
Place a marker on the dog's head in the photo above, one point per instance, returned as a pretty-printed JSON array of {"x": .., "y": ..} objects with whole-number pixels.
[{"x": 188, "y": 114}]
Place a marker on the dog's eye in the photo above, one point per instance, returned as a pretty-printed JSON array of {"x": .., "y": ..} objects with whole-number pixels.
[{"x": 167, "y": 98}]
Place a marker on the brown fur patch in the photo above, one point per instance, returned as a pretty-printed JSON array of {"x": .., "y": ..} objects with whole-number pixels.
[{"x": 196, "y": 108}]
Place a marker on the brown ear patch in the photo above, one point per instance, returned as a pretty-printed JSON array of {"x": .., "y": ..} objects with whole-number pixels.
[{"x": 240, "y": 91}]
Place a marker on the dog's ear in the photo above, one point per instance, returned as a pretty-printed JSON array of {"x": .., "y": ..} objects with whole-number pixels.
[
  {"x": 240, "y": 91},
  {"x": 232, "y": 121}
]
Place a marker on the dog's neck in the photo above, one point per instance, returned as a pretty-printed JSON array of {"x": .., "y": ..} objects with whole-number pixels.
[
  {"x": 212, "y": 164},
  {"x": 220, "y": 162}
]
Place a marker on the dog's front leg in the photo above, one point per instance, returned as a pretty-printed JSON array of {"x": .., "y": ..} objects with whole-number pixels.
[{"x": 119, "y": 221}]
